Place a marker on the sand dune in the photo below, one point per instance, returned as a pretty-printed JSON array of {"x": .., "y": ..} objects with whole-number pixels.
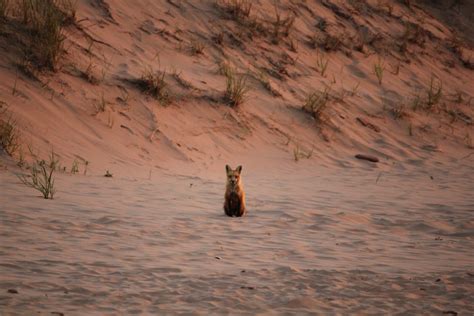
[{"x": 115, "y": 43}]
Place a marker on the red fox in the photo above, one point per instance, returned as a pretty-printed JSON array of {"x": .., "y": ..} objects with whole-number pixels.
[{"x": 234, "y": 204}]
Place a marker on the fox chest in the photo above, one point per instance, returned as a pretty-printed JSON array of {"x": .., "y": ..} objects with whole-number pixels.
[{"x": 234, "y": 200}]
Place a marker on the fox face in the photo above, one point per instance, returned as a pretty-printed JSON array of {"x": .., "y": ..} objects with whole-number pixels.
[{"x": 233, "y": 176}]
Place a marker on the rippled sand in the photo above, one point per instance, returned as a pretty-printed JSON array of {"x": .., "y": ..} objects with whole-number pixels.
[{"x": 312, "y": 242}]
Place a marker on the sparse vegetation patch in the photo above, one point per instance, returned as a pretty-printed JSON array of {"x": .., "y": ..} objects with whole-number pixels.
[
  {"x": 413, "y": 33},
  {"x": 45, "y": 20},
  {"x": 155, "y": 85},
  {"x": 322, "y": 64},
  {"x": 281, "y": 26},
  {"x": 379, "y": 69},
  {"x": 237, "y": 9},
  {"x": 236, "y": 89},
  {"x": 41, "y": 175},
  {"x": 326, "y": 41},
  {"x": 316, "y": 102},
  {"x": 9, "y": 134}
]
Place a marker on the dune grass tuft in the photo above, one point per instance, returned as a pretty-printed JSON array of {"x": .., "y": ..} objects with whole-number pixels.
[
  {"x": 281, "y": 26},
  {"x": 236, "y": 89},
  {"x": 154, "y": 84},
  {"x": 9, "y": 133},
  {"x": 379, "y": 69},
  {"x": 316, "y": 102},
  {"x": 45, "y": 20},
  {"x": 322, "y": 63}
]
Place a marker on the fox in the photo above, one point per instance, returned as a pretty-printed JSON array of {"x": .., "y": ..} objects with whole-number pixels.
[{"x": 234, "y": 203}]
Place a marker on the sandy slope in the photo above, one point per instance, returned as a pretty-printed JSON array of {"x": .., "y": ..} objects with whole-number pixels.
[
  {"x": 120, "y": 41},
  {"x": 314, "y": 240}
]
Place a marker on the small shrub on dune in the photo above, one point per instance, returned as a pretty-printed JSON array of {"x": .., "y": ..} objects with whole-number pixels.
[{"x": 41, "y": 177}]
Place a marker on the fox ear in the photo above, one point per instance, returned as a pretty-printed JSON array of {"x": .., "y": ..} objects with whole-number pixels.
[
  {"x": 239, "y": 169},
  {"x": 227, "y": 168}
]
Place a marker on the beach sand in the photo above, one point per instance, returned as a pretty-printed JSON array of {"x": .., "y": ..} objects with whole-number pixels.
[{"x": 312, "y": 242}]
